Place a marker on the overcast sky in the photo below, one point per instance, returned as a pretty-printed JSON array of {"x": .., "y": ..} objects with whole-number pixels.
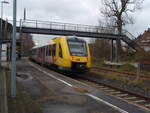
[{"x": 74, "y": 11}]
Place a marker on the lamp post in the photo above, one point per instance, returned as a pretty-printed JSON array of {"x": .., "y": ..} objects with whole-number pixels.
[
  {"x": 13, "y": 66},
  {"x": 1, "y": 27}
]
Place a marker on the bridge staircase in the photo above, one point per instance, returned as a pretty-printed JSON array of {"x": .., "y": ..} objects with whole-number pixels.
[{"x": 131, "y": 41}]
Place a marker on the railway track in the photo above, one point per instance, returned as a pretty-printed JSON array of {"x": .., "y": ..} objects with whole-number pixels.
[
  {"x": 123, "y": 74},
  {"x": 133, "y": 98}
]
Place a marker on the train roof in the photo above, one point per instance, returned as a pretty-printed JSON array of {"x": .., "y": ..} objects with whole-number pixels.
[
  {"x": 73, "y": 38},
  {"x": 69, "y": 38},
  {"x": 42, "y": 45}
]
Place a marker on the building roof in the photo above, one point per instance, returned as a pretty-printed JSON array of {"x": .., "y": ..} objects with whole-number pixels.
[{"x": 144, "y": 39}]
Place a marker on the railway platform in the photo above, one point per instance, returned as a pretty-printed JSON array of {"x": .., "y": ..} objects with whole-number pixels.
[
  {"x": 3, "y": 92},
  {"x": 56, "y": 93}
]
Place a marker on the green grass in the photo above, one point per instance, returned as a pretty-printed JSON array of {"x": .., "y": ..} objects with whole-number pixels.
[
  {"x": 116, "y": 77},
  {"x": 97, "y": 62},
  {"x": 127, "y": 68}
]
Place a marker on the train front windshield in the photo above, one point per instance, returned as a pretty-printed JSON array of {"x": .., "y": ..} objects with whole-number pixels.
[{"x": 77, "y": 48}]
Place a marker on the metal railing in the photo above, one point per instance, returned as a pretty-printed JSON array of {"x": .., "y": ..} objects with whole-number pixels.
[
  {"x": 128, "y": 34},
  {"x": 66, "y": 26},
  {"x": 73, "y": 27}
]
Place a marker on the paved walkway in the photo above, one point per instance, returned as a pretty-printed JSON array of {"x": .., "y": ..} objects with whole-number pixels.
[
  {"x": 56, "y": 93},
  {"x": 3, "y": 94}
]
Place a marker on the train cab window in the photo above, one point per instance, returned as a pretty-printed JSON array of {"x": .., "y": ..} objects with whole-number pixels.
[
  {"x": 60, "y": 51},
  {"x": 77, "y": 48},
  {"x": 54, "y": 50}
]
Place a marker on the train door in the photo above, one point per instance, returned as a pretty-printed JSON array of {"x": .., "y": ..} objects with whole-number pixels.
[
  {"x": 60, "y": 54},
  {"x": 53, "y": 53},
  {"x": 39, "y": 59}
]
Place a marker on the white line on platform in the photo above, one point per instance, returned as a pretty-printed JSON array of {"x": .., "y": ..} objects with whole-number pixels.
[
  {"x": 88, "y": 94},
  {"x": 107, "y": 103},
  {"x": 51, "y": 75}
]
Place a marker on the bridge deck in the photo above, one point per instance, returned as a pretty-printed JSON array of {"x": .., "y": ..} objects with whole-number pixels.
[
  {"x": 57, "y": 28},
  {"x": 68, "y": 33}
]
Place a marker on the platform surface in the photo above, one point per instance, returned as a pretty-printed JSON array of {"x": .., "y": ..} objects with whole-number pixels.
[{"x": 57, "y": 93}]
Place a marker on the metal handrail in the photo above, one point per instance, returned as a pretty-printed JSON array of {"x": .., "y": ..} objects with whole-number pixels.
[{"x": 67, "y": 26}]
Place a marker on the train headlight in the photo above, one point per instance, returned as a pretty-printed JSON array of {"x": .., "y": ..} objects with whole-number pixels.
[
  {"x": 87, "y": 59},
  {"x": 71, "y": 58}
]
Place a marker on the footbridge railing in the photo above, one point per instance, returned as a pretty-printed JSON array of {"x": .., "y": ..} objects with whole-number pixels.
[{"x": 67, "y": 26}]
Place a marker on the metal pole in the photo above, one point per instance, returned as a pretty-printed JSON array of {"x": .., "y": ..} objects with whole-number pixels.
[
  {"x": 13, "y": 66},
  {"x": 1, "y": 33}
]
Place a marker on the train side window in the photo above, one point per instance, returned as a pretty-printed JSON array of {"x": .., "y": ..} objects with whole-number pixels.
[
  {"x": 47, "y": 50},
  {"x": 54, "y": 50},
  {"x": 60, "y": 51},
  {"x": 40, "y": 51},
  {"x": 50, "y": 50}
]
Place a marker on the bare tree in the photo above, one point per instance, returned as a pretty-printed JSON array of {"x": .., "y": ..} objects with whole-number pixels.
[
  {"x": 26, "y": 43},
  {"x": 119, "y": 11},
  {"x": 101, "y": 48}
]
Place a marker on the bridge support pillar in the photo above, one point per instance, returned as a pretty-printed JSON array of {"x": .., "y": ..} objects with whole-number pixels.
[
  {"x": 112, "y": 51},
  {"x": 118, "y": 47}
]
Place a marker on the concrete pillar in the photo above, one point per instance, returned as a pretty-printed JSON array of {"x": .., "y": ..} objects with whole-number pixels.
[
  {"x": 112, "y": 51},
  {"x": 118, "y": 46}
]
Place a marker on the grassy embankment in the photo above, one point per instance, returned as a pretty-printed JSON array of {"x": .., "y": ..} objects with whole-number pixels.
[{"x": 124, "y": 68}]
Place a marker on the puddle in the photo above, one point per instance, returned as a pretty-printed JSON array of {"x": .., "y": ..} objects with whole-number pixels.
[{"x": 24, "y": 76}]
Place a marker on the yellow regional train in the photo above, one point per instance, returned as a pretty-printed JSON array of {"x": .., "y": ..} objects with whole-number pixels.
[{"x": 65, "y": 53}]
